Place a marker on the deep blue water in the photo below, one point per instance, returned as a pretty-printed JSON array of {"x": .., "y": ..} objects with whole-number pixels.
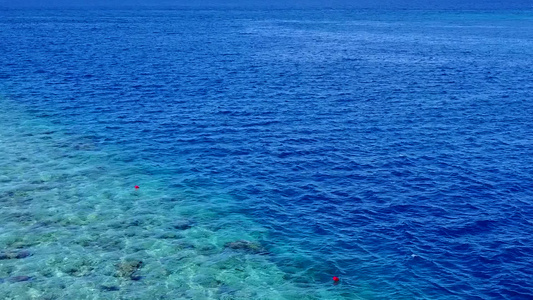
[{"x": 393, "y": 149}]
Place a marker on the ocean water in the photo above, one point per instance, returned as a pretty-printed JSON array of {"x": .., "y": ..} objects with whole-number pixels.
[{"x": 273, "y": 150}]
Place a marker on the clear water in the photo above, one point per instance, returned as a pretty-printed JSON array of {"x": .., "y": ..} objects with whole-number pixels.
[{"x": 274, "y": 149}]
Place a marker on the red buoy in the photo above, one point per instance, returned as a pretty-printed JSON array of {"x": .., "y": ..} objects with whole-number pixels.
[
  {"x": 336, "y": 279},
  {"x": 136, "y": 187}
]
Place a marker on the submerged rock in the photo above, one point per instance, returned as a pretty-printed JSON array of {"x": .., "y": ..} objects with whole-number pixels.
[
  {"x": 136, "y": 277},
  {"x": 207, "y": 281},
  {"x": 19, "y": 278},
  {"x": 23, "y": 254},
  {"x": 127, "y": 269},
  {"x": 182, "y": 224},
  {"x": 14, "y": 254},
  {"x": 246, "y": 246},
  {"x": 207, "y": 249},
  {"x": 109, "y": 288},
  {"x": 169, "y": 235}
]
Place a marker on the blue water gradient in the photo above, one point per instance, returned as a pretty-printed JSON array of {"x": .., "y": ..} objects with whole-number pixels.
[{"x": 393, "y": 149}]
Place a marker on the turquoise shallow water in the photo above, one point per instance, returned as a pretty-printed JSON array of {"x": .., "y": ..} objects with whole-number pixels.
[
  {"x": 274, "y": 149},
  {"x": 71, "y": 205}
]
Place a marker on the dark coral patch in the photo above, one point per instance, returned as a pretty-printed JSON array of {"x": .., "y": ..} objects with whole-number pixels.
[
  {"x": 127, "y": 269},
  {"x": 182, "y": 224},
  {"x": 246, "y": 246},
  {"x": 19, "y": 278},
  {"x": 14, "y": 254},
  {"x": 109, "y": 288}
]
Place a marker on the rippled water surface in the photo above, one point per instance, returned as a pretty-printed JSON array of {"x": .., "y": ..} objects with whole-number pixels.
[{"x": 273, "y": 149}]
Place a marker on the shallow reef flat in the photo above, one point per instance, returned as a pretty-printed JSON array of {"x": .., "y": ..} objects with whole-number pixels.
[{"x": 74, "y": 227}]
